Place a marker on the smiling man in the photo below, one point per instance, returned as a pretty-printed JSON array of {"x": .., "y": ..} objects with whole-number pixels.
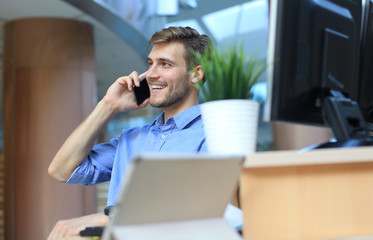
[{"x": 171, "y": 83}]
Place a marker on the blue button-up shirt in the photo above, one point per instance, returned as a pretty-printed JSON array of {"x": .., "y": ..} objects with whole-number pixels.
[{"x": 182, "y": 133}]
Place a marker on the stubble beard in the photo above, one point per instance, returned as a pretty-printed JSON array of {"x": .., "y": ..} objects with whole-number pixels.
[{"x": 174, "y": 95}]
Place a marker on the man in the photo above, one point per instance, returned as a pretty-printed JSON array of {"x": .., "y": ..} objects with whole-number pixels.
[{"x": 171, "y": 81}]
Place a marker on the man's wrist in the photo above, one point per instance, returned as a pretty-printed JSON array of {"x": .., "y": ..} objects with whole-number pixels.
[{"x": 108, "y": 107}]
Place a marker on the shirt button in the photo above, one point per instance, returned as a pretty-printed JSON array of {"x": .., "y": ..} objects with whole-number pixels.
[{"x": 163, "y": 136}]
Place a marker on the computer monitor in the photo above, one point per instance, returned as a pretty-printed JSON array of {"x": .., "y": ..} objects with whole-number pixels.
[
  {"x": 365, "y": 97},
  {"x": 314, "y": 65}
]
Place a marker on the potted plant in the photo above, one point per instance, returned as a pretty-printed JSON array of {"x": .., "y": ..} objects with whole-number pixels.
[{"x": 229, "y": 114}]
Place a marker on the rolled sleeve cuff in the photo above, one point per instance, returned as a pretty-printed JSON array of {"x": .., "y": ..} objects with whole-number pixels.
[
  {"x": 78, "y": 178},
  {"x": 89, "y": 174}
]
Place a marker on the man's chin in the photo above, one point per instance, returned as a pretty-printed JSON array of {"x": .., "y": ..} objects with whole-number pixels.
[
  {"x": 160, "y": 104},
  {"x": 156, "y": 104},
  {"x": 166, "y": 102}
]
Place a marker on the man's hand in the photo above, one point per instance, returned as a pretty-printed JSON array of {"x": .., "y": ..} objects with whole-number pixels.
[
  {"x": 76, "y": 148},
  {"x": 120, "y": 94},
  {"x": 70, "y": 228}
]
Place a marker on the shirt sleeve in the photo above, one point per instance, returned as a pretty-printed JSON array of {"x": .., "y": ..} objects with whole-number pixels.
[{"x": 97, "y": 166}]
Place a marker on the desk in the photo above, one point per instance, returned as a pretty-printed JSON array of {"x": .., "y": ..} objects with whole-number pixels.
[{"x": 320, "y": 194}]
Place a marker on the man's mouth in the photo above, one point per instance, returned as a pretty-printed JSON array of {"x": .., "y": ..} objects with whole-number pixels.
[{"x": 156, "y": 87}]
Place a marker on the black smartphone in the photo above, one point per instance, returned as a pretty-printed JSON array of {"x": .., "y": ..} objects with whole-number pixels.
[
  {"x": 142, "y": 92},
  {"x": 92, "y": 231}
]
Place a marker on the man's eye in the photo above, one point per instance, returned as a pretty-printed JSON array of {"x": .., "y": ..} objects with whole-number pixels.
[{"x": 166, "y": 64}]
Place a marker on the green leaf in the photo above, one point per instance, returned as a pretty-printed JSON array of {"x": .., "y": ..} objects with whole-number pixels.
[{"x": 227, "y": 73}]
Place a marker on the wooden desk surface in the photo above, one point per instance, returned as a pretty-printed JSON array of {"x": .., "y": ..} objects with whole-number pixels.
[
  {"x": 320, "y": 194},
  {"x": 312, "y": 157}
]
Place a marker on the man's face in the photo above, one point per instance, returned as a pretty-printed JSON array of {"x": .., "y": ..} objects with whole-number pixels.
[{"x": 167, "y": 75}]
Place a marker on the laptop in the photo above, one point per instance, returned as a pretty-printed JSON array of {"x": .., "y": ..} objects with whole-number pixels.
[{"x": 165, "y": 196}]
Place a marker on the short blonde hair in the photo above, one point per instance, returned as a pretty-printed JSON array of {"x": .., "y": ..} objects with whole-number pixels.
[{"x": 189, "y": 37}]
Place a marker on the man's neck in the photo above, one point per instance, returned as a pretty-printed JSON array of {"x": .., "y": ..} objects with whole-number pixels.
[{"x": 176, "y": 109}]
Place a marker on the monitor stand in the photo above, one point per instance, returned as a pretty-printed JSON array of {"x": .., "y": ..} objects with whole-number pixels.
[{"x": 346, "y": 121}]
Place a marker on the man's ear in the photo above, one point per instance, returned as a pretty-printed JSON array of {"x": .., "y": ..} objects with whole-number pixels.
[{"x": 197, "y": 74}]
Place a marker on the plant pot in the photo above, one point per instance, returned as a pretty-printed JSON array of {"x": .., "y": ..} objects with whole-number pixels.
[{"x": 231, "y": 126}]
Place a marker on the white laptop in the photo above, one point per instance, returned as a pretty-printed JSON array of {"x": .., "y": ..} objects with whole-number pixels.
[{"x": 176, "y": 197}]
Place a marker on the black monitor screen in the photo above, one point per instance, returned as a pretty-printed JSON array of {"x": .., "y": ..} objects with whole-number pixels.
[
  {"x": 365, "y": 98},
  {"x": 314, "y": 47}
]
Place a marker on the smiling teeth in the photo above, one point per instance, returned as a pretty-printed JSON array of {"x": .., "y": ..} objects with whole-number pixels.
[{"x": 157, "y": 87}]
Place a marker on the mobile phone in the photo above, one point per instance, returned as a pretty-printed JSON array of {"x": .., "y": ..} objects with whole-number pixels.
[
  {"x": 143, "y": 92},
  {"x": 92, "y": 231}
]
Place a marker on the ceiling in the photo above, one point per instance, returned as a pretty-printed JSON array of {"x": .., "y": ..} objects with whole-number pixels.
[{"x": 114, "y": 56}]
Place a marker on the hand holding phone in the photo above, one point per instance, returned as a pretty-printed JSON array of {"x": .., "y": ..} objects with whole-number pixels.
[{"x": 143, "y": 92}]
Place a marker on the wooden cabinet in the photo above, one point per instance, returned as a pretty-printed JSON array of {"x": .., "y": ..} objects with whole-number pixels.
[{"x": 319, "y": 194}]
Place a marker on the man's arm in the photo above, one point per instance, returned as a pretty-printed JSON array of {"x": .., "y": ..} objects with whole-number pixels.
[{"x": 76, "y": 148}]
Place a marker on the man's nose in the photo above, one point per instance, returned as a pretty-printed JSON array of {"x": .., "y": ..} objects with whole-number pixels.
[{"x": 152, "y": 72}]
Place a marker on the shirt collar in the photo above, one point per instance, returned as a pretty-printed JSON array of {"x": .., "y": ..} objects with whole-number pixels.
[{"x": 182, "y": 119}]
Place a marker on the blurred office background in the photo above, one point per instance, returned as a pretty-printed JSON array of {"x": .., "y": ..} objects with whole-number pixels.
[{"x": 120, "y": 31}]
